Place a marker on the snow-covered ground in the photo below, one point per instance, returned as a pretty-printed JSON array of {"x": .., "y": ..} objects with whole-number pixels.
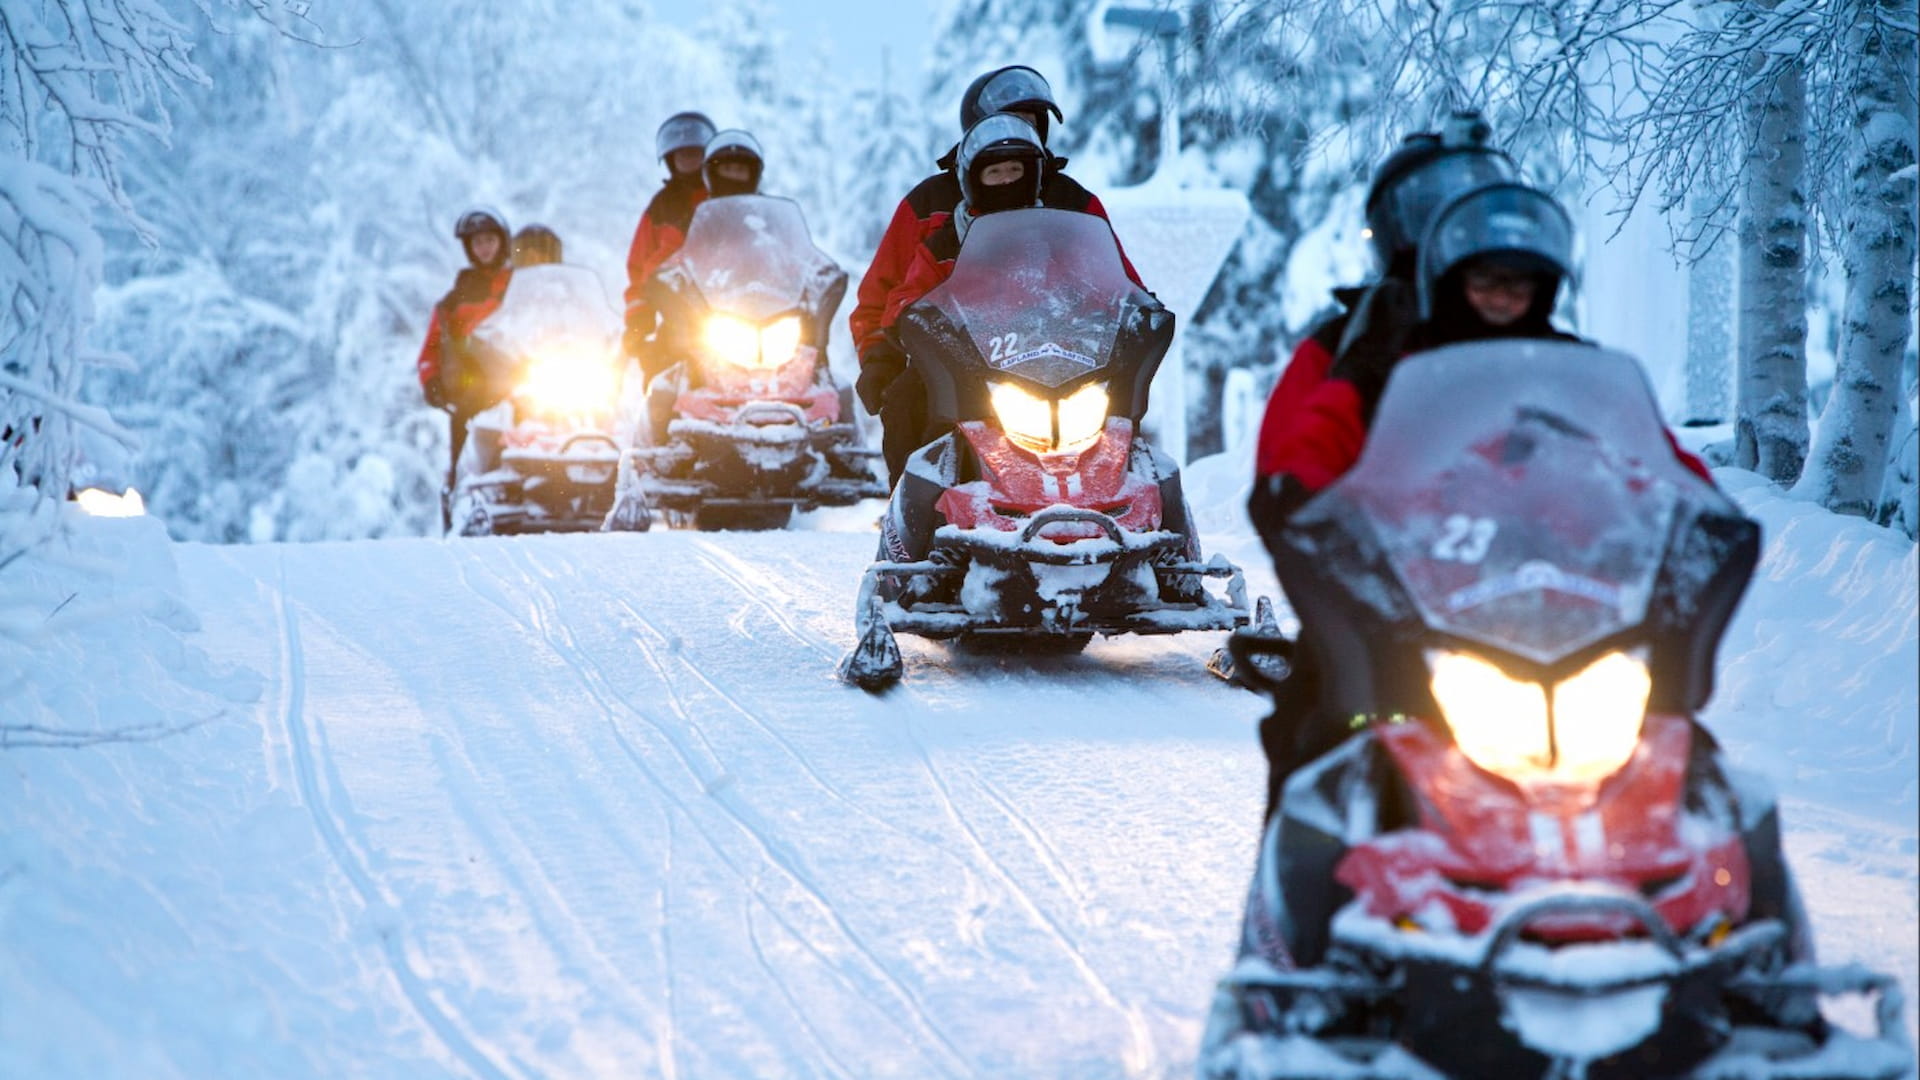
[{"x": 596, "y": 806}]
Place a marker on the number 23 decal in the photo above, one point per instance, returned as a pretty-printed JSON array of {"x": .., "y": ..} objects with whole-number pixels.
[{"x": 1465, "y": 539}]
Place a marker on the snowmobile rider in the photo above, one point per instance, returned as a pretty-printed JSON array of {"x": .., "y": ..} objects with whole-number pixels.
[
  {"x": 1425, "y": 170},
  {"x": 1016, "y": 89},
  {"x": 447, "y": 380},
  {"x": 1002, "y": 165},
  {"x": 681, "y": 144},
  {"x": 535, "y": 245},
  {"x": 1489, "y": 267},
  {"x": 733, "y": 164}
]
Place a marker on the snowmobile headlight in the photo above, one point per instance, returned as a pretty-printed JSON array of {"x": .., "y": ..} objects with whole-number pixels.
[
  {"x": 568, "y": 379},
  {"x": 1048, "y": 427},
  {"x": 1581, "y": 731},
  {"x": 732, "y": 339},
  {"x": 100, "y": 502},
  {"x": 779, "y": 340},
  {"x": 1026, "y": 418},
  {"x": 1083, "y": 415}
]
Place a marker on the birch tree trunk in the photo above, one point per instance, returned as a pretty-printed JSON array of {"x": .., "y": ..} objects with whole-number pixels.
[
  {"x": 1770, "y": 431},
  {"x": 1877, "y": 250}
]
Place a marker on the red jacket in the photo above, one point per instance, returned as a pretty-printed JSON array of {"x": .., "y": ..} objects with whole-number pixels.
[
  {"x": 476, "y": 293},
  {"x": 926, "y": 208},
  {"x": 1315, "y": 425},
  {"x": 662, "y": 229},
  {"x": 1307, "y": 369}
]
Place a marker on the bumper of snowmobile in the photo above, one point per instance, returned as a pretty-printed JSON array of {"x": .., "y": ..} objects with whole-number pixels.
[
  {"x": 539, "y": 489},
  {"x": 1443, "y": 1011},
  {"x": 766, "y": 458},
  {"x": 1119, "y": 582}
]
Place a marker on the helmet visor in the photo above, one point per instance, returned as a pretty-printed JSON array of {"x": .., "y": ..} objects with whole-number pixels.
[
  {"x": 1525, "y": 225},
  {"x": 478, "y": 221},
  {"x": 1400, "y": 218},
  {"x": 1018, "y": 88},
  {"x": 682, "y": 131}
]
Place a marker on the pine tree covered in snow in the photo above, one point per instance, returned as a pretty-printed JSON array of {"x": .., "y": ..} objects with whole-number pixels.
[{"x": 77, "y": 86}]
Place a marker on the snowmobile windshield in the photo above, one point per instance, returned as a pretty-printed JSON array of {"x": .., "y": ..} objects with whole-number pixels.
[
  {"x": 551, "y": 306},
  {"x": 1035, "y": 293},
  {"x": 751, "y": 256},
  {"x": 1523, "y": 495}
]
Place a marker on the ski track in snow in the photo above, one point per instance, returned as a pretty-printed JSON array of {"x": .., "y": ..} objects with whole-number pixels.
[
  {"x": 598, "y": 806},
  {"x": 1139, "y": 1058},
  {"x": 336, "y": 832},
  {"x": 715, "y": 784}
]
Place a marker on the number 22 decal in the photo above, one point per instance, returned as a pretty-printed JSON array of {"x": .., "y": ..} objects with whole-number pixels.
[
  {"x": 1000, "y": 348},
  {"x": 1465, "y": 539}
]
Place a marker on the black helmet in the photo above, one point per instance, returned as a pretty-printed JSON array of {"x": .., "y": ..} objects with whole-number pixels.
[
  {"x": 1000, "y": 137},
  {"x": 733, "y": 145},
  {"x": 476, "y": 221},
  {"x": 1516, "y": 226},
  {"x": 1016, "y": 86},
  {"x": 681, "y": 130},
  {"x": 535, "y": 245},
  {"x": 479, "y": 220},
  {"x": 1428, "y": 169}
]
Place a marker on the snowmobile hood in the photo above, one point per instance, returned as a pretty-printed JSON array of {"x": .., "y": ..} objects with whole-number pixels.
[
  {"x": 1521, "y": 498},
  {"x": 1038, "y": 296}
]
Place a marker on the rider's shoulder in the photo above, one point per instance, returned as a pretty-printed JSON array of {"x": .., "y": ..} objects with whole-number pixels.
[
  {"x": 674, "y": 203},
  {"x": 1063, "y": 192},
  {"x": 938, "y": 193}
]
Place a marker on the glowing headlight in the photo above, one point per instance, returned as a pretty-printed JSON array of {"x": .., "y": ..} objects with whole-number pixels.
[
  {"x": 568, "y": 381},
  {"x": 1584, "y": 732},
  {"x": 732, "y": 339},
  {"x": 1045, "y": 427},
  {"x": 743, "y": 344},
  {"x": 1082, "y": 415},
  {"x": 1024, "y": 417},
  {"x": 779, "y": 340},
  {"x": 102, "y": 503}
]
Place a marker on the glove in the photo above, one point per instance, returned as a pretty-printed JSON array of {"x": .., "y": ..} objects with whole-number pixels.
[
  {"x": 634, "y": 343},
  {"x": 436, "y": 395},
  {"x": 1376, "y": 337},
  {"x": 879, "y": 366},
  {"x": 640, "y": 325}
]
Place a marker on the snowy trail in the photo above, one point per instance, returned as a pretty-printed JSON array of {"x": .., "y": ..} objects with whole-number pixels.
[
  {"x": 597, "y": 806},
  {"x": 610, "y": 809}
]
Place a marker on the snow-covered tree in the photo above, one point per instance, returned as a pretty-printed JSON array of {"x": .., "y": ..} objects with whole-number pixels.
[
  {"x": 81, "y": 85},
  {"x": 1849, "y": 457},
  {"x": 1770, "y": 429}
]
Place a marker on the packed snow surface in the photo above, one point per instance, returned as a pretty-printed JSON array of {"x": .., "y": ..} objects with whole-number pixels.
[{"x": 596, "y": 806}]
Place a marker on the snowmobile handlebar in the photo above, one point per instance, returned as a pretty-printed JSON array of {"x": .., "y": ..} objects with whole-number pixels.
[
  {"x": 1578, "y": 901},
  {"x": 1058, "y": 514}
]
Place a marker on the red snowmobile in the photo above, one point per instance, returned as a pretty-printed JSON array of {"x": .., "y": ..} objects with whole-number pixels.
[
  {"x": 748, "y": 425},
  {"x": 1530, "y": 860},
  {"x": 544, "y": 458},
  {"x": 1043, "y": 518}
]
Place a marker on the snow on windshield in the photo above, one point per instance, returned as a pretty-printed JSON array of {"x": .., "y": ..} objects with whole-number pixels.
[
  {"x": 1525, "y": 492},
  {"x": 751, "y": 255},
  {"x": 547, "y": 305},
  {"x": 1039, "y": 292}
]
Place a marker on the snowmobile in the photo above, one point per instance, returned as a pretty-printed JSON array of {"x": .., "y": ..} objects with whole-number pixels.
[
  {"x": 545, "y": 458},
  {"x": 748, "y": 425},
  {"x": 1041, "y": 518},
  {"x": 1529, "y": 860}
]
